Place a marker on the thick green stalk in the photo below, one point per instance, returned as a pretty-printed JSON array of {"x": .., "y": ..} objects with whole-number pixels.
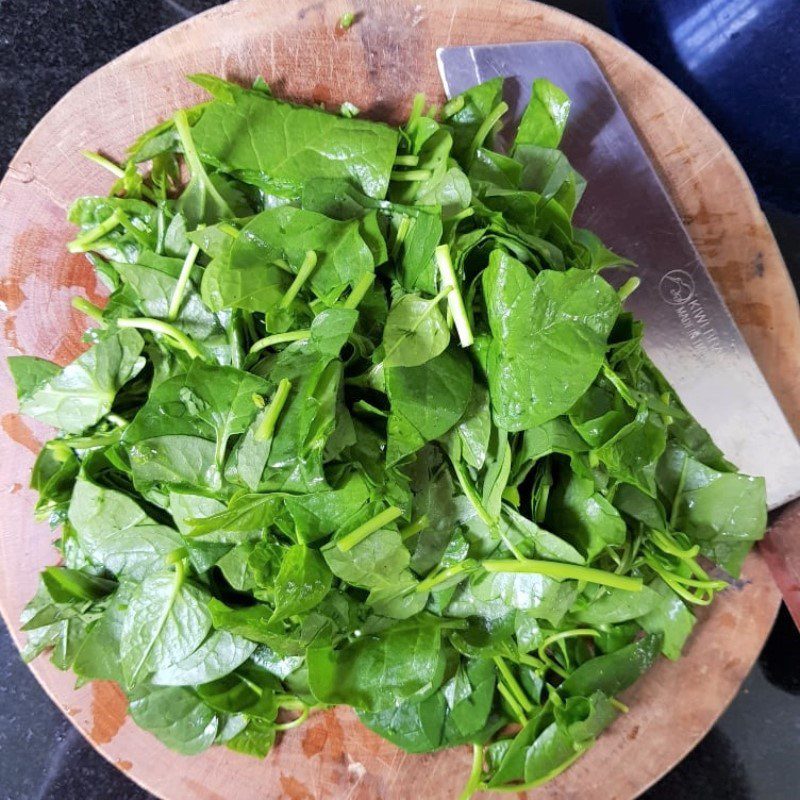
[
  {"x": 475, "y": 774},
  {"x": 273, "y": 411},
  {"x": 90, "y": 309},
  {"x": 358, "y": 292},
  {"x": 561, "y": 571},
  {"x": 411, "y": 175},
  {"x": 454, "y": 300},
  {"x": 486, "y": 126},
  {"x": 80, "y": 244},
  {"x": 415, "y": 527},
  {"x": 350, "y": 540},
  {"x": 279, "y": 338},
  {"x": 306, "y": 268},
  {"x": 183, "y": 280},
  {"x": 164, "y": 328}
]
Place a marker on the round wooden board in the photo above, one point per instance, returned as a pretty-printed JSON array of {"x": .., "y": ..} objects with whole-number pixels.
[{"x": 385, "y": 58}]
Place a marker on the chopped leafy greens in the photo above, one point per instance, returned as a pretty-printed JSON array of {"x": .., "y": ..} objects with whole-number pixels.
[{"x": 363, "y": 423}]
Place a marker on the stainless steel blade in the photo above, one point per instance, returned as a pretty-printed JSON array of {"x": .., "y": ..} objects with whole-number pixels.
[{"x": 690, "y": 334}]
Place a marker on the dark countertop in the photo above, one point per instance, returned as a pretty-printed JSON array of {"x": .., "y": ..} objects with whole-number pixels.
[{"x": 45, "y": 48}]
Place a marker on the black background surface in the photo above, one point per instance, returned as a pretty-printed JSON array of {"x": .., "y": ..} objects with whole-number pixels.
[{"x": 752, "y": 753}]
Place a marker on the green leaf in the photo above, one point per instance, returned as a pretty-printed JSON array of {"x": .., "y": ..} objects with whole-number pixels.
[
  {"x": 290, "y": 144},
  {"x": 180, "y": 435},
  {"x": 415, "y": 332},
  {"x": 82, "y": 393},
  {"x": 377, "y": 672},
  {"x": 221, "y": 653},
  {"x": 67, "y": 585},
  {"x": 117, "y": 534},
  {"x": 615, "y": 671},
  {"x": 426, "y": 401},
  {"x": 167, "y": 620},
  {"x": 669, "y": 617},
  {"x": 559, "y": 320},
  {"x": 30, "y": 372},
  {"x": 720, "y": 510},
  {"x": 176, "y": 716},
  {"x": 302, "y": 581},
  {"x": 545, "y": 117},
  {"x": 285, "y": 235}
]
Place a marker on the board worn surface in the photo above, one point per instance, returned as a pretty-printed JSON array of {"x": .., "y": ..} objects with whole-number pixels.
[{"x": 379, "y": 64}]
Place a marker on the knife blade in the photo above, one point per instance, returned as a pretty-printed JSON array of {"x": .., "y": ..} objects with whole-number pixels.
[{"x": 689, "y": 333}]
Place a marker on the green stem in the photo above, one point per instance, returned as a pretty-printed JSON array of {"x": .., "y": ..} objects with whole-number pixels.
[
  {"x": 306, "y": 268},
  {"x": 453, "y": 106},
  {"x": 279, "y": 338},
  {"x": 350, "y": 540},
  {"x": 297, "y": 705},
  {"x": 415, "y": 527},
  {"x": 402, "y": 232},
  {"x": 531, "y": 661},
  {"x": 508, "y": 543},
  {"x": 126, "y": 223},
  {"x": 676, "y": 500},
  {"x": 628, "y": 288},
  {"x": 561, "y": 571},
  {"x": 273, "y": 410},
  {"x": 359, "y": 291},
  {"x": 80, "y": 244},
  {"x": 410, "y": 175},
  {"x": 406, "y": 161},
  {"x": 417, "y": 107},
  {"x": 474, "y": 780},
  {"x": 183, "y": 280},
  {"x": 164, "y": 328},
  {"x": 235, "y": 339},
  {"x": 187, "y": 142},
  {"x": 516, "y": 709},
  {"x": 90, "y": 309},
  {"x": 346, "y": 20},
  {"x": 624, "y": 391},
  {"x": 472, "y": 495},
  {"x": 119, "y": 421},
  {"x": 486, "y": 127},
  {"x": 560, "y": 638},
  {"x": 114, "y": 169},
  {"x": 454, "y": 300},
  {"x": 192, "y": 157},
  {"x": 440, "y": 577},
  {"x": 104, "y": 162},
  {"x": 665, "y": 542},
  {"x": 480, "y": 510},
  {"x": 512, "y": 684},
  {"x": 465, "y": 213}
]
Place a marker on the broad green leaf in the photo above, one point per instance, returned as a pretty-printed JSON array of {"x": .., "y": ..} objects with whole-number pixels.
[
  {"x": 415, "y": 332},
  {"x": 176, "y": 716},
  {"x": 548, "y": 339},
  {"x": 117, "y": 534},
  {"x": 166, "y": 621},
  {"x": 82, "y": 393}
]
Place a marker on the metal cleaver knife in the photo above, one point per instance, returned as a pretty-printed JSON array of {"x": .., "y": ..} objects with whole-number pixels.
[{"x": 690, "y": 334}]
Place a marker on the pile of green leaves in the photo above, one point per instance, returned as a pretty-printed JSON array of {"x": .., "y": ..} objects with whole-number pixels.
[{"x": 363, "y": 424}]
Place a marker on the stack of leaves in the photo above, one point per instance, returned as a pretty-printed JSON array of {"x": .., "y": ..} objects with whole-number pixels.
[{"x": 362, "y": 424}]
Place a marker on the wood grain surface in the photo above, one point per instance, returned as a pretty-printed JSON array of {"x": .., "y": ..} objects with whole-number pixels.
[{"x": 386, "y": 57}]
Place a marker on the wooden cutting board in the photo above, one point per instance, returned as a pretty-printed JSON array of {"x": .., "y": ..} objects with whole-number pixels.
[{"x": 386, "y": 57}]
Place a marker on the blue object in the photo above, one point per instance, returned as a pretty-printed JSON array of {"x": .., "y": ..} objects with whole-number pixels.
[{"x": 739, "y": 60}]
